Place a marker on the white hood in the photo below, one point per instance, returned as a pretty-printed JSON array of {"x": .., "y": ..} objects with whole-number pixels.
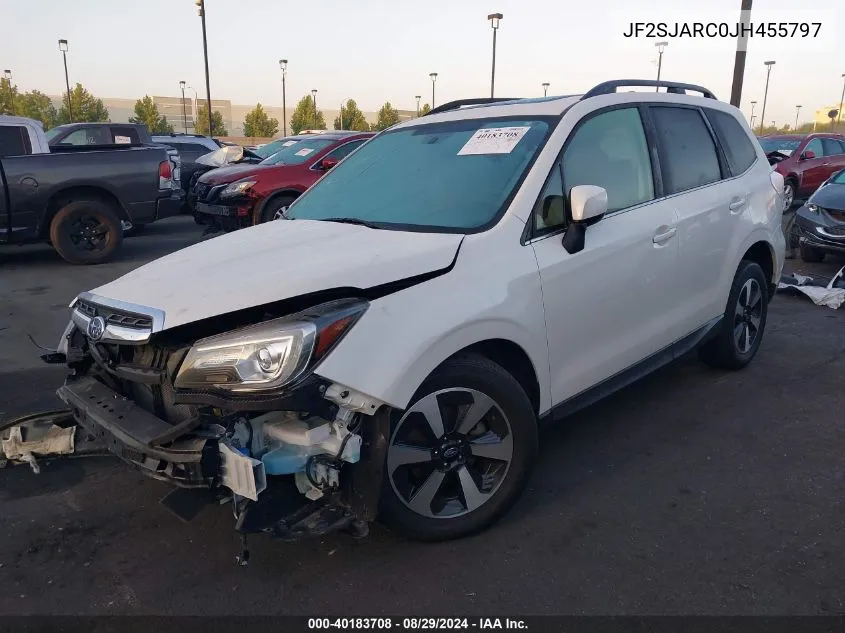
[{"x": 275, "y": 261}]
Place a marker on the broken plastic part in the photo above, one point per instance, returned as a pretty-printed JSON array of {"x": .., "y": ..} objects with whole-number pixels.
[
  {"x": 352, "y": 399},
  {"x": 243, "y": 475}
]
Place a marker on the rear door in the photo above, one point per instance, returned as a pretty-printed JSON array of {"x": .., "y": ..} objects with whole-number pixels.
[
  {"x": 708, "y": 206},
  {"x": 814, "y": 171},
  {"x": 834, "y": 153}
]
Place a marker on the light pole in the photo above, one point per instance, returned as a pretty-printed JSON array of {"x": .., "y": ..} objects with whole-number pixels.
[
  {"x": 201, "y": 11},
  {"x": 661, "y": 46},
  {"x": 283, "y": 64},
  {"x": 545, "y": 88},
  {"x": 753, "y": 103},
  {"x": 768, "y": 65},
  {"x": 418, "y": 97},
  {"x": 751, "y": 123},
  {"x": 494, "y": 22},
  {"x": 741, "y": 49},
  {"x": 797, "y": 110},
  {"x": 433, "y": 79},
  {"x": 841, "y": 102},
  {"x": 63, "y": 48},
  {"x": 184, "y": 110},
  {"x": 314, "y": 99}
]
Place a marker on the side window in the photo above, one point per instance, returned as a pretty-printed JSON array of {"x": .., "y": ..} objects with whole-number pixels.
[
  {"x": 609, "y": 150},
  {"x": 88, "y": 136},
  {"x": 14, "y": 140},
  {"x": 125, "y": 136},
  {"x": 550, "y": 211},
  {"x": 831, "y": 146},
  {"x": 734, "y": 140},
  {"x": 816, "y": 147},
  {"x": 345, "y": 150},
  {"x": 689, "y": 158}
]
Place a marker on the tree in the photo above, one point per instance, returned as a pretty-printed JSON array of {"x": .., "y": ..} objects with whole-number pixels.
[
  {"x": 257, "y": 123},
  {"x": 86, "y": 107},
  {"x": 425, "y": 109},
  {"x": 303, "y": 116},
  {"x": 387, "y": 116},
  {"x": 353, "y": 118},
  {"x": 36, "y": 105},
  {"x": 8, "y": 97},
  {"x": 201, "y": 123},
  {"x": 146, "y": 113}
]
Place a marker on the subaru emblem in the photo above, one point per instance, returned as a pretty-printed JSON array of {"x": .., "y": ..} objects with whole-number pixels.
[{"x": 96, "y": 328}]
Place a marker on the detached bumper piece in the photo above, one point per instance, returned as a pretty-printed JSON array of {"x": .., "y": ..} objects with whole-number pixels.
[{"x": 141, "y": 439}]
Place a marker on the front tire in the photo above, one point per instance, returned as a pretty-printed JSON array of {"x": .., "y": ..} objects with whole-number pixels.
[
  {"x": 273, "y": 209},
  {"x": 461, "y": 454},
  {"x": 789, "y": 190},
  {"x": 744, "y": 321},
  {"x": 86, "y": 232}
]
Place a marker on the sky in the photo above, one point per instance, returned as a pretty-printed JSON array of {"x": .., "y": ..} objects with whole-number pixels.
[{"x": 378, "y": 50}]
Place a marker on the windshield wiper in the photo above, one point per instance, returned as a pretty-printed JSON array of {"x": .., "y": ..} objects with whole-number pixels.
[{"x": 369, "y": 225}]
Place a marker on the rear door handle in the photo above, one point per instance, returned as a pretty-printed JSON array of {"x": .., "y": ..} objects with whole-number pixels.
[
  {"x": 660, "y": 238},
  {"x": 737, "y": 204}
]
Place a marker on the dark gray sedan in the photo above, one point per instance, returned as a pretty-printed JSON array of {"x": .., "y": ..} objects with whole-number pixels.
[{"x": 820, "y": 222}]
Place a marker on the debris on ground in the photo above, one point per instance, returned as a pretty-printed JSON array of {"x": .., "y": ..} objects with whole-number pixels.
[{"x": 830, "y": 294}]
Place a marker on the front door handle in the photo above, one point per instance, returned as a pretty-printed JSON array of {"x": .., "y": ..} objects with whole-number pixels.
[
  {"x": 737, "y": 204},
  {"x": 661, "y": 238}
]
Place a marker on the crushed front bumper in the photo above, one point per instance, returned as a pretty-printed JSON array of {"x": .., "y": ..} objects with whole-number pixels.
[
  {"x": 820, "y": 231},
  {"x": 139, "y": 438}
]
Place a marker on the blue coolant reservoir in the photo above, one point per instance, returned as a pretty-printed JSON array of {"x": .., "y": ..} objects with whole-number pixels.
[{"x": 285, "y": 460}]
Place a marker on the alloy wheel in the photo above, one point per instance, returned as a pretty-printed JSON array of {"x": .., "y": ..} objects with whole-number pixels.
[
  {"x": 788, "y": 196},
  {"x": 450, "y": 453},
  {"x": 747, "y": 316},
  {"x": 280, "y": 213},
  {"x": 87, "y": 233}
]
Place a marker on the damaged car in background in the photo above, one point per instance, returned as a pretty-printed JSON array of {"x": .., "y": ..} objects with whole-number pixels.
[{"x": 424, "y": 305}]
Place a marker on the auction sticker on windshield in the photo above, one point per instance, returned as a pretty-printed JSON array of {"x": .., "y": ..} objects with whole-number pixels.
[
  {"x": 494, "y": 140},
  {"x": 288, "y": 143},
  {"x": 304, "y": 152}
]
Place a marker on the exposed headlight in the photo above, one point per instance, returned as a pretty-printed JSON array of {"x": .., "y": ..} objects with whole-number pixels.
[
  {"x": 812, "y": 208},
  {"x": 237, "y": 188},
  {"x": 268, "y": 355}
]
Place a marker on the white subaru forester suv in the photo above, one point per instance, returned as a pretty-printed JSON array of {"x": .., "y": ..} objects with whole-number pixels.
[{"x": 389, "y": 349}]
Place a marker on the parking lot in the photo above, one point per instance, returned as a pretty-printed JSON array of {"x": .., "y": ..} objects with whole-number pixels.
[{"x": 693, "y": 491}]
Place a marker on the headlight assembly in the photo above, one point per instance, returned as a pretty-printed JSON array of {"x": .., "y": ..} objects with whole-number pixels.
[
  {"x": 237, "y": 188},
  {"x": 268, "y": 355}
]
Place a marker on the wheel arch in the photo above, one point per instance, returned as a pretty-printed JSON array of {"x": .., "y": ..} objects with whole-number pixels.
[
  {"x": 259, "y": 208},
  {"x": 79, "y": 193}
]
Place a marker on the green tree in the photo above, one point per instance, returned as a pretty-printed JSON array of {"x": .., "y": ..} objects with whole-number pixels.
[
  {"x": 387, "y": 116},
  {"x": 86, "y": 107},
  {"x": 257, "y": 123},
  {"x": 303, "y": 116},
  {"x": 425, "y": 109},
  {"x": 201, "y": 123},
  {"x": 8, "y": 97},
  {"x": 36, "y": 105},
  {"x": 353, "y": 118},
  {"x": 146, "y": 113}
]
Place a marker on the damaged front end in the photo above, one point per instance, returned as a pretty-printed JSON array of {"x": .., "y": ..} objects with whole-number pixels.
[{"x": 230, "y": 408}]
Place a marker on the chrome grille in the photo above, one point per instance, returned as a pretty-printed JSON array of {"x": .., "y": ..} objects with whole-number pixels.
[{"x": 115, "y": 317}]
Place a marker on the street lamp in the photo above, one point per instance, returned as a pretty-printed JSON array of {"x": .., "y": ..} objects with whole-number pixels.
[
  {"x": 545, "y": 88},
  {"x": 841, "y": 102},
  {"x": 418, "y": 97},
  {"x": 768, "y": 65},
  {"x": 184, "y": 110},
  {"x": 741, "y": 49},
  {"x": 433, "y": 79},
  {"x": 201, "y": 12},
  {"x": 283, "y": 64},
  {"x": 661, "y": 46},
  {"x": 314, "y": 98},
  {"x": 751, "y": 123},
  {"x": 494, "y": 22},
  {"x": 7, "y": 75},
  {"x": 753, "y": 103},
  {"x": 797, "y": 110},
  {"x": 63, "y": 48}
]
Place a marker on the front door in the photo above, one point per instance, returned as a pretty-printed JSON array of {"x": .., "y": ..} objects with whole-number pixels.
[
  {"x": 614, "y": 303},
  {"x": 813, "y": 170}
]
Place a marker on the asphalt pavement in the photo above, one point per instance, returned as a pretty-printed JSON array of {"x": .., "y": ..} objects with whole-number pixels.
[{"x": 693, "y": 491}]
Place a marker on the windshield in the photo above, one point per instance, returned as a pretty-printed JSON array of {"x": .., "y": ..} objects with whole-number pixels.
[
  {"x": 296, "y": 152},
  {"x": 51, "y": 134},
  {"x": 779, "y": 145},
  {"x": 453, "y": 176}
]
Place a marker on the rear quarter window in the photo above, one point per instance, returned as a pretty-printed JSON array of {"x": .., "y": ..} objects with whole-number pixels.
[
  {"x": 688, "y": 156},
  {"x": 14, "y": 140},
  {"x": 738, "y": 147}
]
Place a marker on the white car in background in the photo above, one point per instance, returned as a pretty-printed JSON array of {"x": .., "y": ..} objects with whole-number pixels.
[{"x": 392, "y": 346}]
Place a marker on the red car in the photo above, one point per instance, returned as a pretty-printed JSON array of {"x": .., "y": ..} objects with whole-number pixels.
[
  {"x": 805, "y": 162},
  {"x": 235, "y": 197}
]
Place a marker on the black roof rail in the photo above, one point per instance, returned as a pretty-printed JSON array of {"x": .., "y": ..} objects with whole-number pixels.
[
  {"x": 454, "y": 105},
  {"x": 672, "y": 87}
]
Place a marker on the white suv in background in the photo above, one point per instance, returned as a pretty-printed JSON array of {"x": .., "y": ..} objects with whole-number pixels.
[{"x": 391, "y": 346}]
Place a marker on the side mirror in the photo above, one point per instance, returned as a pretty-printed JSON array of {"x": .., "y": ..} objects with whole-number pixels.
[
  {"x": 588, "y": 204},
  {"x": 808, "y": 154},
  {"x": 327, "y": 163}
]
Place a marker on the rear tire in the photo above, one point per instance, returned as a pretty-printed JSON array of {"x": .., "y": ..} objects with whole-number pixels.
[
  {"x": 744, "y": 322},
  {"x": 811, "y": 255},
  {"x": 86, "y": 232},
  {"x": 272, "y": 209},
  {"x": 790, "y": 190},
  {"x": 461, "y": 454}
]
